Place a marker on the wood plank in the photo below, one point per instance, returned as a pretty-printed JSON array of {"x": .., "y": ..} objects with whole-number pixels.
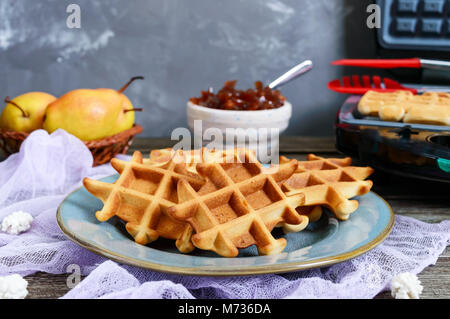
[
  {"x": 435, "y": 280},
  {"x": 145, "y": 145},
  {"x": 306, "y": 145},
  {"x": 46, "y": 286},
  {"x": 288, "y": 144}
]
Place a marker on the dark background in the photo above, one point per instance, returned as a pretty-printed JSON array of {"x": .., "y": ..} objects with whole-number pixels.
[{"x": 183, "y": 47}]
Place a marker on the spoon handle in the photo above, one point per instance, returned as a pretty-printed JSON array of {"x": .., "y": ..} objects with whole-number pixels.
[{"x": 292, "y": 74}]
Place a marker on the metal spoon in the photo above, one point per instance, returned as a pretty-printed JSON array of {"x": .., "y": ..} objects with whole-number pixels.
[{"x": 292, "y": 74}]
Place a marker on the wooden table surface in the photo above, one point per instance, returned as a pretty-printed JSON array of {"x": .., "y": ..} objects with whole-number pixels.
[{"x": 426, "y": 201}]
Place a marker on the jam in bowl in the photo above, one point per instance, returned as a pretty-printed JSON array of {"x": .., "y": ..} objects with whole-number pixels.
[{"x": 231, "y": 99}]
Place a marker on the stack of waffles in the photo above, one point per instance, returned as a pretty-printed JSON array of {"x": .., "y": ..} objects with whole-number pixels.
[
  {"x": 225, "y": 201},
  {"x": 403, "y": 106}
]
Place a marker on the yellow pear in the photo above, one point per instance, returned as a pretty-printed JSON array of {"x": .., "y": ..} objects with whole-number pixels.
[
  {"x": 91, "y": 114},
  {"x": 25, "y": 113}
]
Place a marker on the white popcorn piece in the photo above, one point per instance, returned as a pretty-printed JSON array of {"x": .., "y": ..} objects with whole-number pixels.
[
  {"x": 406, "y": 286},
  {"x": 16, "y": 223},
  {"x": 13, "y": 287}
]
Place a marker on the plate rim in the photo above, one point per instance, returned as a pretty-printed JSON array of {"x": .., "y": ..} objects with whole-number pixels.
[{"x": 208, "y": 271}]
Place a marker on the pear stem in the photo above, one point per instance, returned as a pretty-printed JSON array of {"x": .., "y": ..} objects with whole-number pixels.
[
  {"x": 134, "y": 110},
  {"x": 9, "y": 101},
  {"x": 129, "y": 82}
]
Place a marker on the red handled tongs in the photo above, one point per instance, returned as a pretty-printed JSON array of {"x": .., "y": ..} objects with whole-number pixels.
[
  {"x": 362, "y": 84},
  {"x": 414, "y": 63}
]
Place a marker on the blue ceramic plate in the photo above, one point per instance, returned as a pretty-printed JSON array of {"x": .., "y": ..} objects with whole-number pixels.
[{"x": 323, "y": 243}]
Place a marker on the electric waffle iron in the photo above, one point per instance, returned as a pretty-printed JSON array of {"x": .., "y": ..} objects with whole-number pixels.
[{"x": 412, "y": 150}]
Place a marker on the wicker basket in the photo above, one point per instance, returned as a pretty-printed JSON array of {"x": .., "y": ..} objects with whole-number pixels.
[{"x": 102, "y": 150}]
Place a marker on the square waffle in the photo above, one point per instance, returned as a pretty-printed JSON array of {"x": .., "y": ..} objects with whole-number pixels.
[
  {"x": 239, "y": 206},
  {"x": 327, "y": 182},
  {"x": 141, "y": 197}
]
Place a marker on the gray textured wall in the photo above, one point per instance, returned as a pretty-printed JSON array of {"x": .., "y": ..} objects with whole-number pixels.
[{"x": 182, "y": 47}]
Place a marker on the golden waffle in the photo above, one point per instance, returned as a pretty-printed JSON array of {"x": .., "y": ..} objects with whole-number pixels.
[
  {"x": 429, "y": 114},
  {"x": 190, "y": 158},
  {"x": 141, "y": 197},
  {"x": 239, "y": 206},
  {"x": 327, "y": 182},
  {"x": 425, "y": 109},
  {"x": 163, "y": 156},
  {"x": 402, "y": 106},
  {"x": 372, "y": 101},
  {"x": 158, "y": 157}
]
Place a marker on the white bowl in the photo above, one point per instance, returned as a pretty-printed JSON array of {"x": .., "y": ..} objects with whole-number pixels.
[{"x": 222, "y": 120}]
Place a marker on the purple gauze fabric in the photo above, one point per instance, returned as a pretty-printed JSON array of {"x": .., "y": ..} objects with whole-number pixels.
[{"x": 48, "y": 167}]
